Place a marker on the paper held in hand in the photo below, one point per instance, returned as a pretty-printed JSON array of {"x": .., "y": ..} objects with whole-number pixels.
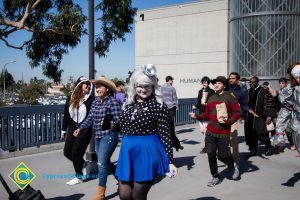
[{"x": 222, "y": 114}]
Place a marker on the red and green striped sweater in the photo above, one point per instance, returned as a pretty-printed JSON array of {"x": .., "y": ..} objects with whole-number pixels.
[{"x": 234, "y": 111}]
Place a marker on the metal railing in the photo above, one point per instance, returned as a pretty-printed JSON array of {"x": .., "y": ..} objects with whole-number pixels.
[{"x": 29, "y": 126}]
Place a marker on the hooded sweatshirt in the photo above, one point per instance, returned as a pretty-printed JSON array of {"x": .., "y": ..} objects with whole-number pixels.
[{"x": 73, "y": 117}]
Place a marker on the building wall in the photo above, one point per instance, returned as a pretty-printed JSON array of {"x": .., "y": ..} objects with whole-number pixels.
[{"x": 186, "y": 41}]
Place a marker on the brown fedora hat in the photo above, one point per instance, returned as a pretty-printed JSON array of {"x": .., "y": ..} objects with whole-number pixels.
[
  {"x": 105, "y": 81},
  {"x": 221, "y": 79}
]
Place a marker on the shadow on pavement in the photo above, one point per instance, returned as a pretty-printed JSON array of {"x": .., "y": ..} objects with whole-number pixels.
[
  {"x": 185, "y": 161},
  {"x": 241, "y": 139},
  {"x": 206, "y": 198},
  {"x": 186, "y": 130},
  {"x": 187, "y": 141},
  {"x": 71, "y": 197},
  {"x": 246, "y": 165},
  {"x": 179, "y": 162},
  {"x": 111, "y": 196},
  {"x": 291, "y": 182}
]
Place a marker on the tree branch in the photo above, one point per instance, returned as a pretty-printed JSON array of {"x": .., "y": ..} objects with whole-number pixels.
[
  {"x": 9, "y": 45},
  {"x": 6, "y": 33},
  {"x": 29, "y": 8},
  {"x": 49, "y": 30}
]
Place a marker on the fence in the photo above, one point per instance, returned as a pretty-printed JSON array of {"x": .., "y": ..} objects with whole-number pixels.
[{"x": 29, "y": 126}]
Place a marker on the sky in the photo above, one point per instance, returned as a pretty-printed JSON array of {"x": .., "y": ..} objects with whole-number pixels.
[{"x": 119, "y": 60}]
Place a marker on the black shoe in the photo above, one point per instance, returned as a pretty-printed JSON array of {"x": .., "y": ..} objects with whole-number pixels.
[
  {"x": 253, "y": 152},
  {"x": 269, "y": 151},
  {"x": 204, "y": 150}
]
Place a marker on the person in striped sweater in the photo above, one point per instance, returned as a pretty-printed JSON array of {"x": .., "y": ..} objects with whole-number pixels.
[{"x": 222, "y": 110}]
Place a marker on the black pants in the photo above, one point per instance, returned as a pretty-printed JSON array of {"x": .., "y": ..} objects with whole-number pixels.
[
  {"x": 264, "y": 137},
  {"x": 175, "y": 140},
  {"x": 218, "y": 146},
  {"x": 75, "y": 148}
]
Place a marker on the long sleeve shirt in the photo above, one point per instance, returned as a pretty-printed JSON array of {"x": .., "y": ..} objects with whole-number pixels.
[
  {"x": 98, "y": 111},
  {"x": 146, "y": 118},
  {"x": 169, "y": 95},
  {"x": 234, "y": 111}
]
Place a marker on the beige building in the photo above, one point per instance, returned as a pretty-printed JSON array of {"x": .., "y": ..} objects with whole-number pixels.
[{"x": 187, "y": 41}]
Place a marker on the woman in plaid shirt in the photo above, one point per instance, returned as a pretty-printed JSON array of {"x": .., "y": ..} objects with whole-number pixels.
[{"x": 106, "y": 139}]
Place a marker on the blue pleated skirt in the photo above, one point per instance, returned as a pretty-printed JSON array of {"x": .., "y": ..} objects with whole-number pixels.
[{"x": 141, "y": 158}]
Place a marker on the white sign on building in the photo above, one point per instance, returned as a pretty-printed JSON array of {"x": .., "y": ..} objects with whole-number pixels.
[{"x": 186, "y": 41}]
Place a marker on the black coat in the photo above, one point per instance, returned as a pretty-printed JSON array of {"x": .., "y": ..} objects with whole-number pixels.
[
  {"x": 198, "y": 105},
  {"x": 259, "y": 102}
]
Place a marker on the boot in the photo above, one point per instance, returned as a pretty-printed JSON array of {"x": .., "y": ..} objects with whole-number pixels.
[{"x": 100, "y": 193}]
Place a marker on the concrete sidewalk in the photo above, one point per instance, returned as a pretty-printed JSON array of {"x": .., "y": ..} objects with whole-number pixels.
[{"x": 262, "y": 178}]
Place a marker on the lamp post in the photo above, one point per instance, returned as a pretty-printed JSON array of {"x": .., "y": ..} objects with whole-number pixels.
[{"x": 4, "y": 77}]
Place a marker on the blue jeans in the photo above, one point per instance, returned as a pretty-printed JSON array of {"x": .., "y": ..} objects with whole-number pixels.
[{"x": 105, "y": 147}]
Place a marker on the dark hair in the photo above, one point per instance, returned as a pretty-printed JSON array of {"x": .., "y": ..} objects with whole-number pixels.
[
  {"x": 238, "y": 77},
  {"x": 205, "y": 79},
  {"x": 169, "y": 78},
  {"x": 266, "y": 83},
  {"x": 118, "y": 83},
  {"x": 256, "y": 78},
  {"x": 282, "y": 79}
]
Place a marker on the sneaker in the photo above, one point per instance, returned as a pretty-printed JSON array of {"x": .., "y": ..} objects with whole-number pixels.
[
  {"x": 270, "y": 151},
  {"x": 236, "y": 172},
  {"x": 74, "y": 181},
  {"x": 213, "y": 182}
]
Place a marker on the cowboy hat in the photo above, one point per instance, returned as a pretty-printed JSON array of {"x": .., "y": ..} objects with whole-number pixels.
[
  {"x": 105, "y": 81},
  {"x": 221, "y": 79}
]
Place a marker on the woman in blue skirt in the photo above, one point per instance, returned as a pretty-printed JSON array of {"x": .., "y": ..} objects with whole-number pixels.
[{"x": 146, "y": 149}]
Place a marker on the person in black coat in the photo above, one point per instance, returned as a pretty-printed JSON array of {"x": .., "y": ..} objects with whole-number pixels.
[
  {"x": 202, "y": 98},
  {"x": 263, "y": 105},
  {"x": 76, "y": 110}
]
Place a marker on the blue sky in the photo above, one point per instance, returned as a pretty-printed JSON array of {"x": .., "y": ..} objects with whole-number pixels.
[{"x": 119, "y": 60}]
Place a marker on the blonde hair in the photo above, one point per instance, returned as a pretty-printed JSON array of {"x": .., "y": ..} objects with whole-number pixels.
[{"x": 139, "y": 77}]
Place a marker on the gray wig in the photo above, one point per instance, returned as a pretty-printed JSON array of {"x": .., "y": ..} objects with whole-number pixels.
[{"x": 145, "y": 75}]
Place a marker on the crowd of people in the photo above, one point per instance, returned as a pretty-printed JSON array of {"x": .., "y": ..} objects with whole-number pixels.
[{"x": 143, "y": 117}]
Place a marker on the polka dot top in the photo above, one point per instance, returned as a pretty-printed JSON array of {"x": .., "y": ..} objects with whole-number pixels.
[{"x": 145, "y": 118}]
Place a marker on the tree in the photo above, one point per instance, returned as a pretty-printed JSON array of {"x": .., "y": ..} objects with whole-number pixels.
[
  {"x": 9, "y": 80},
  {"x": 56, "y": 26},
  {"x": 35, "y": 89},
  {"x": 68, "y": 87},
  {"x": 129, "y": 75}
]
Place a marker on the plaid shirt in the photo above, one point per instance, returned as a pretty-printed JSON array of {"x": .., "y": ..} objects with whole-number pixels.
[{"x": 97, "y": 113}]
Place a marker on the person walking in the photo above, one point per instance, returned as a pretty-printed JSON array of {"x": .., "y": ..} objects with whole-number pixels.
[
  {"x": 104, "y": 117},
  {"x": 171, "y": 101},
  {"x": 259, "y": 100},
  {"x": 76, "y": 110},
  {"x": 146, "y": 149},
  {"x": 239, "y": 91},
  {"x": 290, "y": 97},
  {"x": 203, "y": 95},
  {"x": 222, "y": 110},
  {"x": 120, "y": 95}
]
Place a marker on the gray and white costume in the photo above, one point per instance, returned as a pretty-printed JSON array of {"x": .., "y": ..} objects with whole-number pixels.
[{"x": 290, "y": 99}]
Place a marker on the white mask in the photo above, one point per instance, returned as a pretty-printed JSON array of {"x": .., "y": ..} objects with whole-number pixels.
[{"x": 296, "y": 73}]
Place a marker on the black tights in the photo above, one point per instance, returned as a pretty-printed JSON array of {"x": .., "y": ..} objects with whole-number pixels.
[{"x": 134, "y": 190}]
